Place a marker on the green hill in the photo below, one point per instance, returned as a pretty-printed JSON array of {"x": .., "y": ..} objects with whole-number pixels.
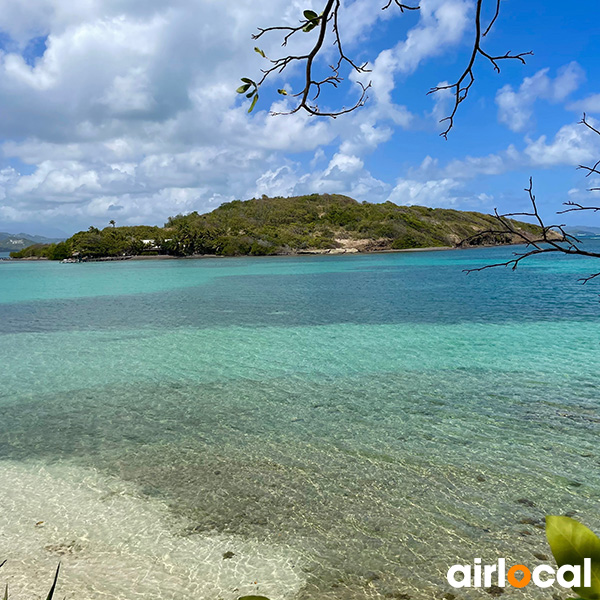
[
  {"x": 302, "y": 224},
  {"x": 11, "y": 243}
]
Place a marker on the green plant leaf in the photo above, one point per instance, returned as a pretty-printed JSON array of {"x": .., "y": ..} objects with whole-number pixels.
[
  {"x": 250, "y": 94},
  {"x": 309, "y": 27},
  {"x": 243, "y": 88},
  {"x": 282, "y": 92},
  {"x": 253, "y": 103},
  {"x": 257, "y": 49},
  {"x": 309, "y": 15},
  {"x": 246, "y": 80},
  {"x": 53, "y": 588},
  {"x": 571, "y": 542}
]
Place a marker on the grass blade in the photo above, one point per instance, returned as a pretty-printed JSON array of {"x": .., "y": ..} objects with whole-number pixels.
[{"x": 51, "y": 593}]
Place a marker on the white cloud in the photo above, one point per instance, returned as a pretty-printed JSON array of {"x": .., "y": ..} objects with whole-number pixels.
[
  {"x": 442, "y": 24},
  {"x": 344, "y": 174},
  {"x": 573, "y": 145},
  {"x": 131, "y": 112},
  {"x": 132, "y": 101},
  {"x": 515, "y": 108},
  {"x": 434, "y": 193},
  {"x": 591, "y": 104}
]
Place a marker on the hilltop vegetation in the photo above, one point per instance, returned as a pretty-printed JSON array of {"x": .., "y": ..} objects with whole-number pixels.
[{"x": 268, "y": 226}]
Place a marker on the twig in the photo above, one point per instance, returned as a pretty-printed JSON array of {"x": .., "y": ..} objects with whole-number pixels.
[
  {"x": 547, "y": 238},
  {"x": 467, "y": 79}
]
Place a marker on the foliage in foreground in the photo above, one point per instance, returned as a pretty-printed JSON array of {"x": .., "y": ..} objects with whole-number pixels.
[
  {"x": 50, "y": 593},
  {"x": 268, "y": 226},
  {"x": 571, "y": 542},
  {"x": 53, "y": 588}
]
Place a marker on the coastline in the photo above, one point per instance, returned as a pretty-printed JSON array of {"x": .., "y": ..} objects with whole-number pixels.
[{"x": 326, "y": 252}]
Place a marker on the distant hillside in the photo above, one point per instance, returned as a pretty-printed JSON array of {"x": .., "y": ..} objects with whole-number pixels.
[
  {"x": 583, "y": 231},
  {"x": 303, "y": 224},
  {"x": 10, "y": 242}
]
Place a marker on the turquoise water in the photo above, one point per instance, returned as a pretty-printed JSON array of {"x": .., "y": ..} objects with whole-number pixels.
[{"x": 347, "y": 426}]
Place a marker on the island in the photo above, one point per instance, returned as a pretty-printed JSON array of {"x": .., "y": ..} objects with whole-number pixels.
[{"x": 312, "y": 224}]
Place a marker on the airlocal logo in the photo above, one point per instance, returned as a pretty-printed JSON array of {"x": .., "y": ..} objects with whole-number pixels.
[
  {"x": 576, "y": 550},
  {"x": 543, "y": 576}
]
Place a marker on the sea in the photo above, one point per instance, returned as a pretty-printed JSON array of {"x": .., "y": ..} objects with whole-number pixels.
[{"x": 314, "y": 427}]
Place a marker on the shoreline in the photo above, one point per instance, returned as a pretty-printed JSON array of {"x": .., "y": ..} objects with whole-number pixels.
[
  {"x": 331, "y": 252},
  {"x": 326, "y": 252}
]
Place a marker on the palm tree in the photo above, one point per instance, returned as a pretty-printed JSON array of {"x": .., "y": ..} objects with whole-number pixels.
[{"x": 113, "y": 223}]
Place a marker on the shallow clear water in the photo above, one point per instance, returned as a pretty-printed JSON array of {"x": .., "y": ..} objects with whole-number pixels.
[{"x": 348, "y": 427}]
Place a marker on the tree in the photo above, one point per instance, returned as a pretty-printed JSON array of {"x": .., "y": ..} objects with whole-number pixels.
[
  {"x": 326, "y": 25},
  {"x": 113, "y": 223}
]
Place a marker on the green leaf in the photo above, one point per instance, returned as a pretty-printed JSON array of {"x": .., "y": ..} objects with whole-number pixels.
[
  {"x": 257, "y": 49},
  {"x": 282, "y": 92},
  {"x": 253, "y": 103},
  {"x": 570, "y": 543},
  {"x": 250, "y": 94},
  {"x": 310, "y": 15},
  {"x": 53, "y": 588},
  {"x": 309, "y": 27},
  {"x": 243, "y": 88},
  {"x": 246, "y": 80}
]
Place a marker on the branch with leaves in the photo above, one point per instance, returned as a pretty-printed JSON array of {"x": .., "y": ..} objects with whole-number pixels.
[
  {"x": 327, "y": 26},
  {"x": 325, "y": 22}
]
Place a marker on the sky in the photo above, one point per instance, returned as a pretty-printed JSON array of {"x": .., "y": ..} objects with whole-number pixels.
[{"x": 127, "y": 110}]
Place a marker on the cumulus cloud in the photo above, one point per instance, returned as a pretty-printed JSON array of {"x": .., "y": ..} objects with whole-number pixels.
[
  {"x": 434, "y": 193},
  {"x": 590, "y": 104},
  {"x": 442, "y": 24},
  {"x": 434, "y": 183},
  {"x": 572, "y": 145},
  {"x": 343, "y": 174},
  {"x": 515, "y": 107},
  {"x": 130, "y": 111}
]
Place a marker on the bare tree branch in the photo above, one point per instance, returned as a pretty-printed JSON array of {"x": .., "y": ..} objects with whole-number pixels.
[
  {"x": 545, "y": 239},
  {"x": 575, "y": 207},
  {"x": 496, "y": 14},
  {"x": 401, "y": 6},
  {"x": 461, "y": 88}
]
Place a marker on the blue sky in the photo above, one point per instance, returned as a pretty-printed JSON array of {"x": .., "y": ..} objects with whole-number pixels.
[{"x": 127, "y": 110}]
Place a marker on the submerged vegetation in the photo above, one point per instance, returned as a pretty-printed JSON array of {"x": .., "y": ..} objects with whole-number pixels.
[
  {"x": 50, "y": 593},
  {"x": 269, "y": 226}
]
